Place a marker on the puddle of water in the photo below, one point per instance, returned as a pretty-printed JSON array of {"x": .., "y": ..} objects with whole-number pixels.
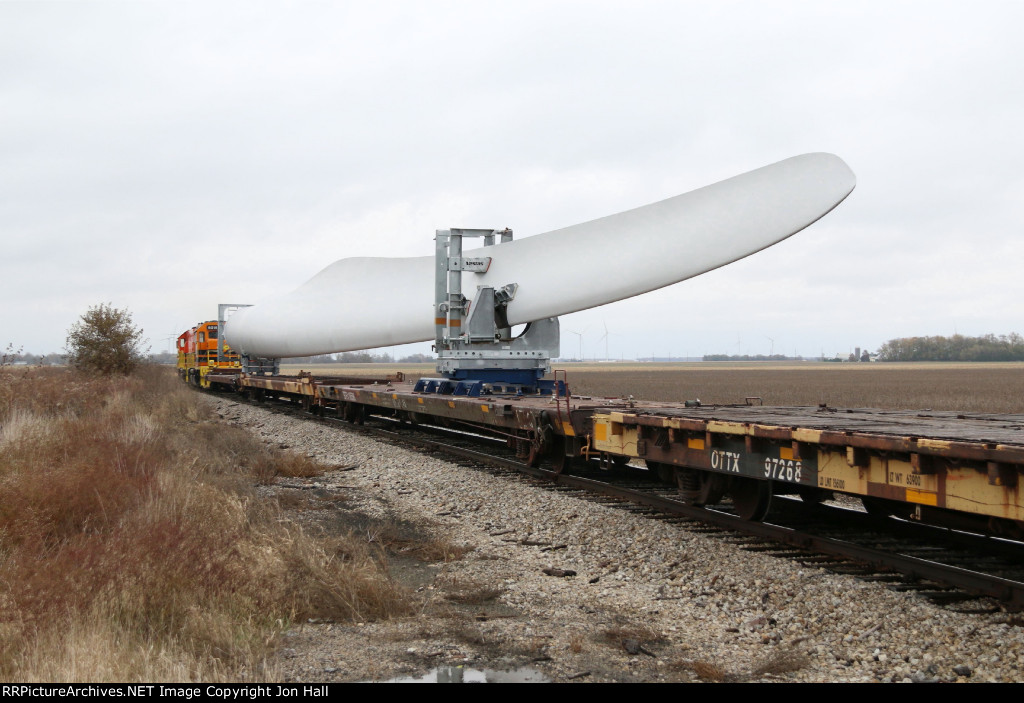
[{"x": 464, "y": 674}]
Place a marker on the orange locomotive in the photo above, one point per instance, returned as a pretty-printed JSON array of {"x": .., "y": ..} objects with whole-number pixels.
[{"x": 200, "y": 350}]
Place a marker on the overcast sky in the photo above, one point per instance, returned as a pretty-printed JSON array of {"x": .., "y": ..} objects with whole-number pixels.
[{"x": 165, "y": 157}]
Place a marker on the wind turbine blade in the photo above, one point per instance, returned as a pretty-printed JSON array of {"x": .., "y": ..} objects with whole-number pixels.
[{"x": 361, "y": 303}]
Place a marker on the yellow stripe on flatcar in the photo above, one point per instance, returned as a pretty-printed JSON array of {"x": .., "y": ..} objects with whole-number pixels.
[
  {"x": 922, "y": 497},
  {"x": 806, "y": 435},
  {"x": 727, "y": 427}
]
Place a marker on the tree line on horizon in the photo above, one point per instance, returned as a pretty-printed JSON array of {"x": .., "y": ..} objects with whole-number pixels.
[
  {"x": 989, "y": 347},
  {"x": 750, "y": 357}
]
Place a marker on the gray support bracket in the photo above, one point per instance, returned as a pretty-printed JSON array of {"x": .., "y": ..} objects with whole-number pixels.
[
  {"x": 222, "y": 315},
  {"x": 475, "y": 340}
]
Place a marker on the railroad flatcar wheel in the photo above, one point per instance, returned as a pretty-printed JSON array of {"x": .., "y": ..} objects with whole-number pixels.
[
  {"x": 751, "y": 498},
  {"x": 533, "y": 456},
  {"x": 666, "y": 473},
  {"x": 700, "y": 488},
  {"x": 520, "y": 443},
  {"x": 688, "y": 482},
  {"x": 712, "y": 487},
  {"x": 562, "y": 458},
  {"x": 351, "y": 413}
]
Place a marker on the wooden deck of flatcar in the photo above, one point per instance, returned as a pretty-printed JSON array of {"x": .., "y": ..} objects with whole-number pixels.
[{"x": 979, "y": 428}]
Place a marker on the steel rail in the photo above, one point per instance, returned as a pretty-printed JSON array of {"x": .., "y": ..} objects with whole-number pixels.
[{"x": 977, "y": 583}]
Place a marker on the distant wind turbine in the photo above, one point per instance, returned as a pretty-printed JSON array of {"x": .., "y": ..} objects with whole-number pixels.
[
  {"x": 605, "y": 339},
  {"x": 580, "y": 335}
]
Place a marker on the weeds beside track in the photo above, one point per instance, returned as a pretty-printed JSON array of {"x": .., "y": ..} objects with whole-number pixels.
[{"x": 133, "y": 545}]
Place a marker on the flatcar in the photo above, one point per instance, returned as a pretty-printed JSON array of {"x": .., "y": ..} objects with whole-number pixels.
[{"x": 960, "y": 470}]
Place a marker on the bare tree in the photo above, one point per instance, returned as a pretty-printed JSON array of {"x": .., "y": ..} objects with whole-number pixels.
[
  {"x": 105, "y": 341},
  {"x": 10, "y": 355}
]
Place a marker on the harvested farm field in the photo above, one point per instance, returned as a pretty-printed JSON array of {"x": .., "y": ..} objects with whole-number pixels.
[{"x": 978, "y": 387}]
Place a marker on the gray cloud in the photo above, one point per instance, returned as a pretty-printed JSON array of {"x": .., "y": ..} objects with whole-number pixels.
[{"x": 167, "y": 156}]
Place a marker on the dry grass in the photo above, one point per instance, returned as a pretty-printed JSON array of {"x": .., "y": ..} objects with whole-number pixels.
[
  {"x": 292, "y": 465},
  {"x": 617, "y": 634},
  {"x": 132, "y": 546},
  {"x": 469, "y": 591},
  {"x": 708, "y": 671},
  {"x": 426, "y": 548},
  {"x": 781, "y": 661}
]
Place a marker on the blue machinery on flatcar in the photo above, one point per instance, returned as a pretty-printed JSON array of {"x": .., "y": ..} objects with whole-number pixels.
[{"x": 476, "y": 351}]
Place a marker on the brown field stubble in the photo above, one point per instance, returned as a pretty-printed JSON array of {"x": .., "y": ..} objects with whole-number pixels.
[
  {"x": 133, "y": 546},
  {"x": 977, "y": 387},
  {"x": 992, "y": 388}
]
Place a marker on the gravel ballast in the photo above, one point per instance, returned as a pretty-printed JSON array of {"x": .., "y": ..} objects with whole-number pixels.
[{"x": 649, "y": 601}]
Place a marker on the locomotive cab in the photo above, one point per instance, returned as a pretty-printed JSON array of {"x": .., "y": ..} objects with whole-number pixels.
[{"x": 198, "y": 353}]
